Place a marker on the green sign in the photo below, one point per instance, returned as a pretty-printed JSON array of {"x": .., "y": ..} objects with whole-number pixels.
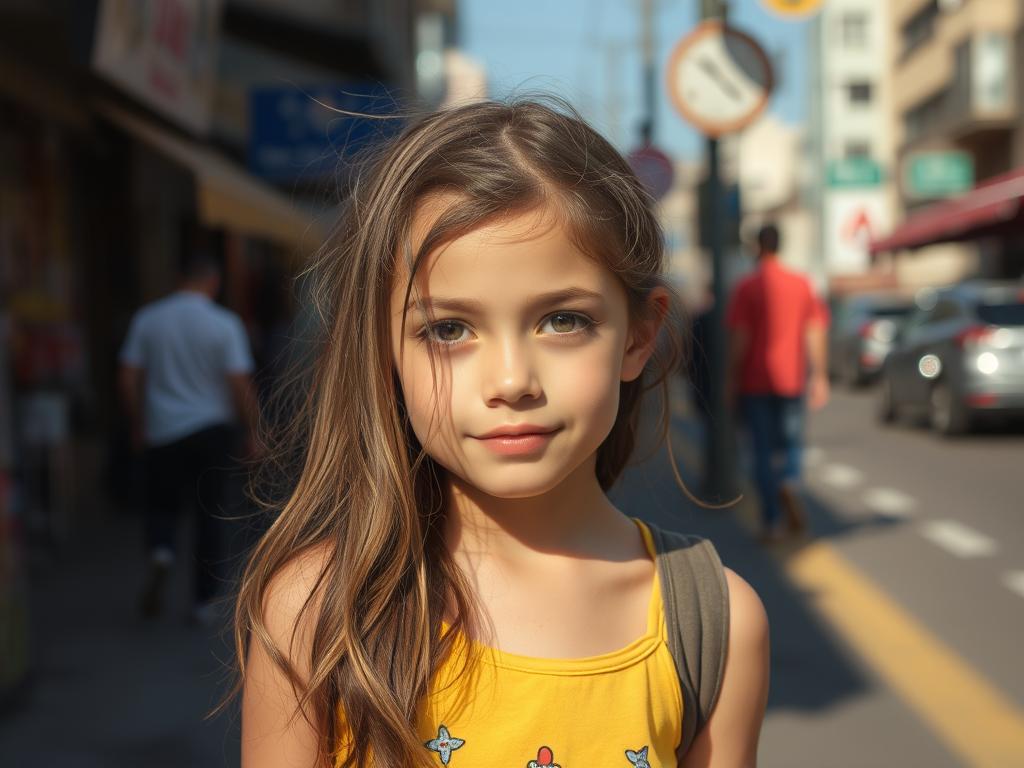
[
  {"x": 854, "y": 172},
  {"x": 931, "y": 175}
]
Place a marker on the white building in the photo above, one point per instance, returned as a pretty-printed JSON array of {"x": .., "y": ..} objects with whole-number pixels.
[{"x": 851, "y": 149}]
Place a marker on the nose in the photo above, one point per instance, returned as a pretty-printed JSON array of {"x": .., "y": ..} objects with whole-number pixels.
[{"x": 509, "y": 373}]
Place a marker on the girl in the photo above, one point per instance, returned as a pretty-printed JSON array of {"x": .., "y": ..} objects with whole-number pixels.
[{"x": 447, "y": 582}]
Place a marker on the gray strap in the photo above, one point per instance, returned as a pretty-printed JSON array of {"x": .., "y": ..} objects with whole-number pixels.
[{"x": 696, "y": 603}]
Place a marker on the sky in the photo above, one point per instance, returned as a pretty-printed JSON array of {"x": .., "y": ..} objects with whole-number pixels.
[{"x": 589, "y": 52}]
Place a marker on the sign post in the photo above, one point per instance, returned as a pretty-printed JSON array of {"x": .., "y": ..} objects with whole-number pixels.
[{"x": 719, "y": 79}]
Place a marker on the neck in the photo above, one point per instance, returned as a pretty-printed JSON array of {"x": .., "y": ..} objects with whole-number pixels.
[
  {"x": 194, "y": 288},
  {"x": 768, "y": 256},
  {"x": 574, "y": 519}
]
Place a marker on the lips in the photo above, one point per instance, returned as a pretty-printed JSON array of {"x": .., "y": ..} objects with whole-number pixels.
[{"x": 516, "y": 430}]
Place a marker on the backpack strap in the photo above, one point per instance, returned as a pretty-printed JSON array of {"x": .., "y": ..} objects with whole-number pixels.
[{"x": 696, "y": 603}]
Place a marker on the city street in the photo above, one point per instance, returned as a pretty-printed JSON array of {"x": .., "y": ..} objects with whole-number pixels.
[
  {"x": 917, "y": 549},
  {"x": 111, "y": 691}
]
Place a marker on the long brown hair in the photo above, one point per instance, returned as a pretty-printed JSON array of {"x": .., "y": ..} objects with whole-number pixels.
[{"x": 365, "y": 491}]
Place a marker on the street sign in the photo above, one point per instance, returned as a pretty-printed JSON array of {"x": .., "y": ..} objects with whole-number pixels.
[
  {"x": 654, "y": 169},
  {"x": 793, "y": 8},
  {"x": 854, "y": 172},
  {"x": 857, "y": 228},
  {"x": 719, "y": 79},
  {"x": 304, "y": 133},
  {"x": 933, "y": 175}
]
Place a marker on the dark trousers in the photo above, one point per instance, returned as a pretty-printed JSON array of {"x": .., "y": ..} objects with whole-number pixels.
[
  {"x": 193, "y": 471},
  {"x": 776, "y": 426}
]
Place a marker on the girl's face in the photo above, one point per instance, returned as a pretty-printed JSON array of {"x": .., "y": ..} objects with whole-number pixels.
[{"x": 527, "y": 330}]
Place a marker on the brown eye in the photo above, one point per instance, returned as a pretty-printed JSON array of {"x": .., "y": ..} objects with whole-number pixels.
[
  {"x": 566, "y": 322},
  {"x": 446, "y": 332}
]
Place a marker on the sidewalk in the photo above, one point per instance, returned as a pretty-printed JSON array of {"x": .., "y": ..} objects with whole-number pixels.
[{"x": 108, "y": 689}]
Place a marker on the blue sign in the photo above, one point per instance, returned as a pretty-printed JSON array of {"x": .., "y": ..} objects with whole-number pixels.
[{"x": 307, "y": 133}]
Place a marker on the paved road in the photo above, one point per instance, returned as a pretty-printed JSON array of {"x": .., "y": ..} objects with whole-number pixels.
[
  {"x": 938, "y": 524},
  {"x": 909, "y": 585}
]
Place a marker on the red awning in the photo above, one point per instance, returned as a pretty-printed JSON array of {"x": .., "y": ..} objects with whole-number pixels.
[{"x": 986, "y": 209}]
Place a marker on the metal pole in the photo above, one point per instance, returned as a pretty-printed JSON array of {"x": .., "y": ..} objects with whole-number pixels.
[
  {"x": 649, "y": 74},
  {"x": 719, "y": 472}
]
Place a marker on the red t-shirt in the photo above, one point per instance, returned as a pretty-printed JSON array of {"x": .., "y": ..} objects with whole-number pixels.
[{"x": 774, "y": 306}]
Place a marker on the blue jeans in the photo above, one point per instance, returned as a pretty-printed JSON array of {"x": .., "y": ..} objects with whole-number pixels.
[{"x": 776, "y": 426}]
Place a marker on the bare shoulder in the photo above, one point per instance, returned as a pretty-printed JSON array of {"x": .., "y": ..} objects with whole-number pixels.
[
  {"x": 291, "y": 601},
  {"x": 748, "y": 620},
  {"x": 272, "y": 733},
  {"x": 730, "y": 736}
]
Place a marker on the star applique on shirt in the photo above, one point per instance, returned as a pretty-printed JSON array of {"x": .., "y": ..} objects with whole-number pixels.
[
  {"x": 638, "y": 759},
  {"x": 444, "y": 744}
]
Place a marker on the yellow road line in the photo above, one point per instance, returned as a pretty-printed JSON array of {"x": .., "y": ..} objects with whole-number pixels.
[
  {"x": 970, "y": 715},
  {"x": 966, "y": 712}
]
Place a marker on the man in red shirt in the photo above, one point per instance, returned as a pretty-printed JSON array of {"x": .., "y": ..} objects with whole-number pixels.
[{"x": 777, "y": 360}]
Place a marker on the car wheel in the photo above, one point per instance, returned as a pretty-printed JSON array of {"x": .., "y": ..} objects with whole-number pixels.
[
  {"x": 887, "y": 412},
  {"x": 947, "y": 413}
]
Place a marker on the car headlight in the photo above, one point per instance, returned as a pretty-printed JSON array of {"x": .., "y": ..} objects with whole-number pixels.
[{"x": 987, "y": 363}]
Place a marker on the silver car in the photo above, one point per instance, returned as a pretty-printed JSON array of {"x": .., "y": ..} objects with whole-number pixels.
[
  {"x": 959, "y": 356},
  {"x": 861, "y": 335}
]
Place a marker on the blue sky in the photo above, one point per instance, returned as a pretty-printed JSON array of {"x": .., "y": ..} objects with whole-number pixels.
[{"x": 588, "y": 51}]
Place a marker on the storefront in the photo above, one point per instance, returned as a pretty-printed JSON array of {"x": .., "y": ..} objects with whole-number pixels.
[{"x": 989, "y": 217}]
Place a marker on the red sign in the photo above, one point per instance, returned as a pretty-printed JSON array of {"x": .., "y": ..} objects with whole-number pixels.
[{"x": 654, "y": 169}]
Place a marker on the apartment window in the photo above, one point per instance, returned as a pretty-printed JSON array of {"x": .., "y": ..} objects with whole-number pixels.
[
  {"x": 853, "y": 29},
  {"x": 920, "y": 27},
  {"x": 856, "y": 148},
  {"x": 926, "y": 117},
  {"x": 859, "y": 93}
]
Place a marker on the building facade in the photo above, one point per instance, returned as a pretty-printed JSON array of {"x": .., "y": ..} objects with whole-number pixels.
[
  {"x": 958, "y": 122},
  {"x": 850, "y": 159}
]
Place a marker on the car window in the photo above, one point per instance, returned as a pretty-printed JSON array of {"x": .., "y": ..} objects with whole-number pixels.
[
  {"x": 893, "y": 313},
  {"x": 1001, "y": 314}
]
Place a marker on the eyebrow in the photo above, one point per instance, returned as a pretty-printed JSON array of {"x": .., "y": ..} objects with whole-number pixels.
[{"x": 470, "y": 306}]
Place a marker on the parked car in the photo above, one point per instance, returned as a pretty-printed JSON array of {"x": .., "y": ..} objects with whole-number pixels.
[
  {"x": 862, "y": 333},
  {"x": 959, "y": 356}
]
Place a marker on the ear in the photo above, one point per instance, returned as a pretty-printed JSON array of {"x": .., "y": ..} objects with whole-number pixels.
[{"x": 643, "y": 334}]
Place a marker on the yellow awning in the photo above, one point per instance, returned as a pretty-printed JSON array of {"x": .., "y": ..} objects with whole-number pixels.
[{"x": 228, "y": 196}]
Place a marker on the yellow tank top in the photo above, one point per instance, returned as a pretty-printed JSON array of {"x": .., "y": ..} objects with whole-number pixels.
[{"x": 620, "y": 708}]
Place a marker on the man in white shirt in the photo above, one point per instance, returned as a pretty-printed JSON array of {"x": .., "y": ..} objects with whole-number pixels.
[{"x": 186, "y": 380}]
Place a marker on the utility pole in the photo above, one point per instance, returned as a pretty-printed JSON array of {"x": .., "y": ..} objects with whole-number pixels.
[
  {"x": 719, "y": 464},
  {"x": 649, "y": 72}
]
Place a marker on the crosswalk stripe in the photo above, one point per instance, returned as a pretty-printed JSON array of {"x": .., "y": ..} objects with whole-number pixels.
[
  {"x": 841, "y": 476},
  {"x": 1014, "y": 580},
  {"x": 889, "y": 502},
  {"x": 957, "y": 539}
]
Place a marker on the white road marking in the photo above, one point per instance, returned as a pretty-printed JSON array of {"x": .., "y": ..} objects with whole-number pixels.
[
  {"x": 889, "y": 502},
  {"x": 813, "y": 456},
  {"x": 1014, "y": 580},
  {"x": 958, "y": 539},
  {"x": 841, "y": 476}
]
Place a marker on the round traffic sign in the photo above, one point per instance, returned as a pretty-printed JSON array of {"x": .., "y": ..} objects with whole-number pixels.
[
  {"x": 654, "y": 169},
  {"x": 719, "y": 79},
  {"x": 793, "y": 7}
]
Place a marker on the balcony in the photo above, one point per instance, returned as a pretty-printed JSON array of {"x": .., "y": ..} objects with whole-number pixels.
[{"x": 977, "y": 105}]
